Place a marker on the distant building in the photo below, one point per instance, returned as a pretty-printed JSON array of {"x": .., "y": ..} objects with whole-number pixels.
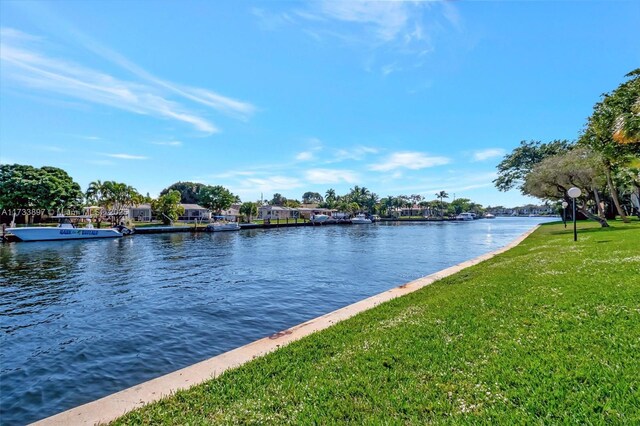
[
  {"x": 529, "y": 209},
  {"x": 232, "y": 213},
  {"x": 194, "y": 212},
  {"x": 277, "y": 212},
  {"x": 307, "y": 212},
  {"x": 140, "y": 213}
]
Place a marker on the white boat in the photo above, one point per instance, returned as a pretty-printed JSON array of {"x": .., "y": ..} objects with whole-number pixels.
[
  {"x": 360, "y": 219},
  {"x": 223, "y": 226},
  {"x": 319, "y": 218},
  {"x": 465, "y": 216},
  {"x": 65, "y": 230},
  {"x": 489, "y": 216}
]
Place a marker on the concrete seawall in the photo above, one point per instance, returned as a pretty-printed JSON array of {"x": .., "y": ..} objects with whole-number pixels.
[{"x": 113, "y": 406}]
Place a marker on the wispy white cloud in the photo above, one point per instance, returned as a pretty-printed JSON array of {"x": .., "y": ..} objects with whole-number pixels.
[
  {"x": 167, "y": 143},
  {"x": 271, "y": 21},
  {"x": 305, "y": 156},
  {"x": 23, "y": 62},
  {"x": 330, "y": 176},
  {"x": 356, "y": 153},
  {"x": 126, "y": 156},
  {"x": 270, "y": 184},
  {"x": 385, "y": 20},
  {"x": 203, "y": 96},
  {"x": 389, "y": 68},
  {"x": 315, "y": 146},
  {"x": 487, "y": 154},
  {"x": 409, "y": 160},
  {"x": 401, "y": 30},
  {"x": 452, "y": 181}
]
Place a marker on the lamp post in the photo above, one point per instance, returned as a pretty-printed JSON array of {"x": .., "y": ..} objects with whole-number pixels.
[
  {"x": 574, "y": 193},
  {"x": 564, "y": 213}
]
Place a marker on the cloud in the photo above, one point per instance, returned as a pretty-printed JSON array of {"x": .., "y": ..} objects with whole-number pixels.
[
  {"x": 409, "y": 160},
  {"x": 309, "y": 154},
  {"x": 330, "y": 176},
  {"x": 385, "y": 20},
  {"x": 25, "y": 64},
  {"x": 270, "y": 184},
  {"x": 126, "y": 156},
  {"x": 168, "y": 143},
  {"x": 357, "y": 153},
  {"x": 452, "y": 181},
  {"x": 305, "y": 156},
  {"x": 402, "y": 30},
  {"x": 486, "y": 154}
]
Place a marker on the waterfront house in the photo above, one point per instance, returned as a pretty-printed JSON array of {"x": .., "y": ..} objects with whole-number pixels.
[
  {"x": 232, "y": 213},
  {"x": 307, "y": 212},
  {"x": 140, "y": 213},
  {"x": 277, "y": 212},
  {"x": 412, "y": 211},
  {"x": 194, "y": 212}
]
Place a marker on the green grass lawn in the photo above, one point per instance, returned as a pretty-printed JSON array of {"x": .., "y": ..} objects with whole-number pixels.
[{"x": 546, "y": 333}]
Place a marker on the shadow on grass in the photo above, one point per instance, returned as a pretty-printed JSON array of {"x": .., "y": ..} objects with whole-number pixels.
[{"x": 589, "y": 230}]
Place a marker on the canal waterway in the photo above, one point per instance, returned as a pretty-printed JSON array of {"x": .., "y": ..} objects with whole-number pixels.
[{"x": 83, "y": 319}]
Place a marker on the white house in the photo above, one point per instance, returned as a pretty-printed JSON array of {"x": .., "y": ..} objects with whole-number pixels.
[
  {"x": 277, "y": 212},
  {"x": 194, "y": 212},
  {"x": 307, "y": 212},
  {"x": 232, "y": 213},
  {"x": 140, "y": 213}
]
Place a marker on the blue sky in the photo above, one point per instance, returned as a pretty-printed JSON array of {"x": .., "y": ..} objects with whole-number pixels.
[{"x": 289, "y": 97}]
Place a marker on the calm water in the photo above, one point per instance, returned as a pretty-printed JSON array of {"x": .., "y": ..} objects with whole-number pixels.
[{"x": 83, "y": 319}]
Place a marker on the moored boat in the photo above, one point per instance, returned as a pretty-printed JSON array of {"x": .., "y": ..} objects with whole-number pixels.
[
  {"x": 489, "y": 216},
  {"x": 318, "y": 218},
  {"x": 360, "y": 219},
  {"x": 465, "y": 216},
  {"x": 66, "y": 230},
  {"x": 223, "y": 226}
]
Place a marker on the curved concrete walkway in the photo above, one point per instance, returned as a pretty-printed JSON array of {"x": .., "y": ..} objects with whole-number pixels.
[{"x": 113, "y": 406}]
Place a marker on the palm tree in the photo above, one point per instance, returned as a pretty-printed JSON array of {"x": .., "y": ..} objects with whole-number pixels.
[
  {"x": 95, "y": 192},
  {"x": 118, "y": 198},
  {"x": 94, "y": 196},
  {"x": 441, "y": 195},
  {"x": 330, "y": 198}
]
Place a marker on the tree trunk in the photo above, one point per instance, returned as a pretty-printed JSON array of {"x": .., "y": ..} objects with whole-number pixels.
[
  {"x": 614, "y": 194},
  {"x": 597, "y": 197},
  {"x": 602, "y": 221}
]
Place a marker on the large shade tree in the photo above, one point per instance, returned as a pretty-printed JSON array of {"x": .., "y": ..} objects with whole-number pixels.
[
  {"x": 515, "y": 166},
  {"x": 312, "y": 198},
  {"x": 167, "y": 207},
  {"x": 190, "y": 192},
  {"x": 552, "y": 178},
  {"x": 217, "y": 198},
  {"x": 25, "y": 188},
  {"x": 612, "y": 130}
]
